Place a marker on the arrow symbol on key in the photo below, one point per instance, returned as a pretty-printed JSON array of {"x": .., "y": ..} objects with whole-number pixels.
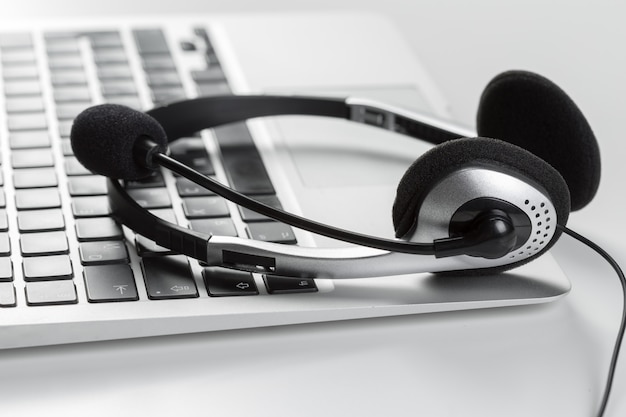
[
  {"x": 243, "y": 285},
  {"x": 120, "y": 288}
]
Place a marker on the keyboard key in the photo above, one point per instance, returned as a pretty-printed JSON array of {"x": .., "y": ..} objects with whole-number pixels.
[
  {"x": 74, "y": 167},
  {"x": 29, "y": 139},
  {"x": 45, "y": 268},
  {"x": 65, "y": 61},
  {"x": 150, "y": 41},
  {"x": 213, "y": 89},
  {"x": 203, "y": 207},
  {"x": 208, "y": 75},
  {"x": 5, "y": 244},
  {"x": 252, "y": 216},
  {"x": 22, "y": 88},
  {"x": 32, "y": 158},
  {"x": 188, "y": 188},
  {"x": 161, "y": 62},
  {"x": 20, "y": 72},
  {"x": 221, "y": 282},
  {"x": 151, "y": 198},
  {"x": 35, "y": 178},
  {"x": 71, "y": 94},
  {"x": 69, "y": 77},
  {"x": 50, "y": 293},
  {"x": 4, "y": 221},
  {"x": 40, "y": 220},
  {"x": 154, "y": 180},
  {"x": 114, "y": 72},
  {"x": 98, "y": 228},
  {"x": 103, "y": 56},
  {"x": 104, "y": 252},
  {"x": 191, "y": 152},
  {"x": 105, "y": 40},
  {"x": 7, "y": 295},
  {"x": 33, "y": 199},
  {"x": 148, "y": 248},
  {"x": 96, "y": 206},
  {"x": 27, "y": 121},
  {"x": 11, "y": 40},
  {"x": 164, "y": 79},
  {"x": 271, "y": 232},
  {"x": 6, "y": 269},
  {"x": 118, "y": 87},
  {"x": 44, "y": 243},
  {"x": 71, "y": 110},
  {"x": 168, "y": 277},
  {"x": 25, "y": 105},
  {"x": 280, "y": 285},
  {"x": 18, "y": 56},
  {"x": 217, "y": 227},
  {"x": 87, "y": 185},
  {"x": 106, "y": 283}
]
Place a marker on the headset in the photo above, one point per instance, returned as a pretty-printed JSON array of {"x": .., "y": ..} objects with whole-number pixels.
[
  {"x": 479, "y": 205},
  {"x": 473, "y": 205}
]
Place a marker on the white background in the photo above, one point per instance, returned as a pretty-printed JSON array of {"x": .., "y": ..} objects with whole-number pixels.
[{"x": 540, "y": 361}]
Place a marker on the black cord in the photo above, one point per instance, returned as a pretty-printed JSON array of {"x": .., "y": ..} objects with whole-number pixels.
[{"x": 622, "y": 327}]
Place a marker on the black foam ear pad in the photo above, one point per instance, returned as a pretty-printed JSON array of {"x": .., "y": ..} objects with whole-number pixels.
[
  {"x": 456, "y": 154},
  {"x": 532, "y": 112}
]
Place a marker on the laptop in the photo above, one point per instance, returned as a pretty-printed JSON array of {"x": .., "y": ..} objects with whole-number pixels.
[{"x": 69, "y": 273}]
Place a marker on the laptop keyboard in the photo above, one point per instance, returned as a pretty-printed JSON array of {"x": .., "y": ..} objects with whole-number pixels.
[{"x": 58, "y": 242}]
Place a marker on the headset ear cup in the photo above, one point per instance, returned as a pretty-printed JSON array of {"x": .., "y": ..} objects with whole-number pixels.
[
  {"x": 458, "y": 154},
  {"x": 530, "y": 111}
]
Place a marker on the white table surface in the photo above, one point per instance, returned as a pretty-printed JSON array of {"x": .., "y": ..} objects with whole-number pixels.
[{"x": 548, "y": 360}]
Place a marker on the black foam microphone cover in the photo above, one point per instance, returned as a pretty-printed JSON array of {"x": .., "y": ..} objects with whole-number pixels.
[
  {"x": 103, "y": 138},
  {"x": 532, "y": 112}
]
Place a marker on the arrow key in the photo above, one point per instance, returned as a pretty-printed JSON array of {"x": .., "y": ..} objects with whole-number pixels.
[
  {"x": 110, "y": 283},
  {"x": 221, "y": 282}
]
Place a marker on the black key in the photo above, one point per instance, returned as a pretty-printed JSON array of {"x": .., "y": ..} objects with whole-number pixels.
[
  {"x": 65, "y": 61},
  {"x": 20, "y": 72},
  {"x": 217, "y": 227},
  {"x": 105, "y": 40},
  {"x": 33, "y": 199},
  {"x": 29, "y": 139},
  {"x": 150, "y": 41},
  {"x": 50, "y": 293},
  {"x": 115, "y": 72},
  {"x": 208, "y": 75},
  {"x": 213, "y": 89},
  {"x": 18, "y": 56},
  {"x": 27, "y": 121},
  {"x": 148, "y": 248},
  {"x": 187, "y": 188},
  {"x": 151, "y": 198},
  {"x": 155, "y": 63},
  {"x": 32, "y": 158},
  {"x": 22, "y": 88},
  {"x": 191, "y": 151},
  {"x": 67, "y": 111},
  {"x": 222, "y": 282},
  {"x": 44, "y": 243},
  {"x": 86, "y": 185},
  {"x": 104, "y": 56},
  {"x": 40, "y": 220},
  {"x": 252, "y": 216},
  {"x": 98, "y": 228},
  {"x": 242, "y": 161},
  {"x": 32, "y": 104},
  {"x": 203, "y": 207},
  {"x": 72, "y": 94},
  {"x": 4, "y": 221},
  {"x": 6, "y": 269},
  {"x": 69, "y": 77},
  {"x": 11, "y": 40},
  {"x": 164, "y": 79},
  {"x": 106, "y": 283},
  {"x": 7, "y": 295},
  {"x": 271, "y": 232},
  {"x": 102, "y": 253},
  {"x": 74, "y": 167},
  {"x": 35, "y": 178},
  {"x": 118, "y": 87},
  {"x": 154, "y": 180},
  {"x": 280, "y": 285},
  {"x": 90, "y": 206},
  {"x": 168, "y": 277},
  {"x": 5, "y": 244},
  {"x": 45, "y": 268}
]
